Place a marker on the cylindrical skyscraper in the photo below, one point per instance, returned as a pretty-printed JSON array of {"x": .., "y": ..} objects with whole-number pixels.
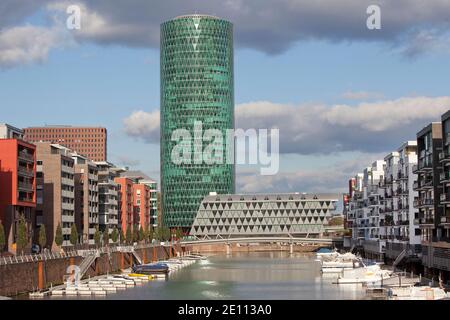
[{"x": 196, "y": 87}]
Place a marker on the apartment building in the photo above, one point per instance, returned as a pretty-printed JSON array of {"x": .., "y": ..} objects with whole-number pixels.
[
  {"x": 373, "y": 243},
  {"x": 433, "y": 200},
  {"x": 108, "y": 191},
  {"x": 355, "y": 205},
  {"x": 86, "y": 198},
  {"x": 8, "y": 131},
  {"x": 125, "y": 203},
  {"x": 141, "y": 178},
  {"x": 55, "y": 205},
  {"x": 141, "y": 205},
  {"x": 429, "y": 146},
  {"x": 399, "y": 212},
  {"x": 17, "y": 184},
  {"x": 90, "y": 142}
]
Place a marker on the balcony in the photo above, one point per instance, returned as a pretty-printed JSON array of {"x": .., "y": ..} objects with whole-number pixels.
[
  {"x": 445, "y": 198},
  {"x": 427, "y": 222},
  {"x": 26, "y": 156},
  {"x": 444, "y": 156},
  {"x": 25, "y": 186},
  {"x": 444, "y": 177},
  {"x": 25, "y": 171},
  {"x": 445, "y": 220}
]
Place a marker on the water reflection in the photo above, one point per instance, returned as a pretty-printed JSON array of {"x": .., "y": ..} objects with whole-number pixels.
[{"x": 258, "y": 275}]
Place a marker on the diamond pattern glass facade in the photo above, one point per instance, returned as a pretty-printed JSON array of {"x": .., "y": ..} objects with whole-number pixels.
[
  {"x": 196, "y": 85},
  {"x": 264, "y": 215}
]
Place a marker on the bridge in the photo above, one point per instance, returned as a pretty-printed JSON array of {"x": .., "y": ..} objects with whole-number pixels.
[{"x": 275, "y": 239}]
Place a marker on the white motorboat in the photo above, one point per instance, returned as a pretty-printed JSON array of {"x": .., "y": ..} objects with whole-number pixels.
[
  {"x": 366, "y": 274},
  {"x": 417, "y": 293}
]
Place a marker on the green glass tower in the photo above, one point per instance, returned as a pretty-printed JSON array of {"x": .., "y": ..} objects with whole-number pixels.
[{"x": 197, "y": 85}]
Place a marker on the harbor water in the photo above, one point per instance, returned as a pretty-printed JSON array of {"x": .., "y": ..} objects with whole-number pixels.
[{"x": 241, "y": 276}]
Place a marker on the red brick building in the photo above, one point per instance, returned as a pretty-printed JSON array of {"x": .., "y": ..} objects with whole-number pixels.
[
  {"x": 17, "y": 187},
  {"x": 125, "y": 203},
  {"x": 141, "y": 204},
  {"x": 90, "y": 142}
]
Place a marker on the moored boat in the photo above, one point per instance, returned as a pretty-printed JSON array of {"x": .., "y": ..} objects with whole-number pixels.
[{"x": 152, "y": 268}]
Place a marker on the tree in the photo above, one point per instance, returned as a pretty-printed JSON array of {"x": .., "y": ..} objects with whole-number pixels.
[
  {"x": 106, "y": 237},
  {"x": 336, "y": 221},
  {"x": 42, "y": 237},
  {"x": 141, "y": 234},
  {"x": 22, "y": 239},
  {"x": 129, "y": 236},
  {"x": 145, "y": 233},
  {"x": 135, "y": 233},
  {"x": 150, "y": 234},
  {"x": 122, "y": 236},
  {"x": 73, "y": 235},
  {"x": 59, "y": 236},
  {"x": 179, "y": 234},
  {"x": 114, "y": 235},
  {"x": 2, "y": 238},
  {"x": 97, "y": 236}
]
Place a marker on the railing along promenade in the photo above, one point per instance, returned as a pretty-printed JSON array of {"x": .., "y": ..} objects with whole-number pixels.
[{"x": 14, "y": 259}]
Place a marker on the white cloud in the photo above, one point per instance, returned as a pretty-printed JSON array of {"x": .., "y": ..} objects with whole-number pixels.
[
  {"x": 28, "y": 44},
  {"x": 144, "y": 125},
  {"x": 320, "y": 129},
  {"x": 331, "y": 178},
  {"x": 388, "y": 115}
]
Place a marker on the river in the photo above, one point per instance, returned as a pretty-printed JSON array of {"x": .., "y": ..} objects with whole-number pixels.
[{"x": 257, "y": 275}]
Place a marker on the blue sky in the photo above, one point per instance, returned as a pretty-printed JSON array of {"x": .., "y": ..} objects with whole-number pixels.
[{"x": 88, "y": 82}]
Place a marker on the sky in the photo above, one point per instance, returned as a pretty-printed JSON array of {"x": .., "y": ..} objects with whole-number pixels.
[{"x": 341, "y": 95}]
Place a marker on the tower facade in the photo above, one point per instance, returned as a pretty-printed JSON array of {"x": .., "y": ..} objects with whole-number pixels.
[{"x": 197, "y": 87}]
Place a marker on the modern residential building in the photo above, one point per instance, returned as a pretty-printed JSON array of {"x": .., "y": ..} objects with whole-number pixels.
[
  {"x": 141, "y": 205},
  {"x": 196, "y": 87},
  {"x": 125, "y": 203},
  {"x": 252, "y": 215},
  {"x": 365, "y": 210},
  {"x": 373, "y": 242},
  {"x": 108, "y": 190},
  {"x": 399, "y": 212},
  {"x": 90, "y": 142},
  {"x": 428, "y": 169},
  {"x": 8, "y": 131},
  {"x": 440, "y": 250},
  {"x": 17, "y": 185},
  {"x": 55, "y": 203},
  {"x": 86, "y": 198},
  {"x": 138, "y": 177},
  {"x": 355, "y": 205}
]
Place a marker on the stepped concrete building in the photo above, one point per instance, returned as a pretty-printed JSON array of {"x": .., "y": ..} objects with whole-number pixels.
[
  {"x": 196, "y": 86},
  {"x": 253, "y": 215}
]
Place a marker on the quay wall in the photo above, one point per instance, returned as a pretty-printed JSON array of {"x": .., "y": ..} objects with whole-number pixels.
[{"x": 25, "y": 277}]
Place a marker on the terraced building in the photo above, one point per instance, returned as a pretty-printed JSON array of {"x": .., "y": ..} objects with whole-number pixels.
[
  {"x": 196, "y": 86},
  {"x": 264, "y": 215}
]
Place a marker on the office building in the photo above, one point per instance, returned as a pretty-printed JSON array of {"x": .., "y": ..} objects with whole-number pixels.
[
  {"x": 90, "y": 142},
  {"x": 196, "y": 86},
  {"x": 253, "y": 215}
]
